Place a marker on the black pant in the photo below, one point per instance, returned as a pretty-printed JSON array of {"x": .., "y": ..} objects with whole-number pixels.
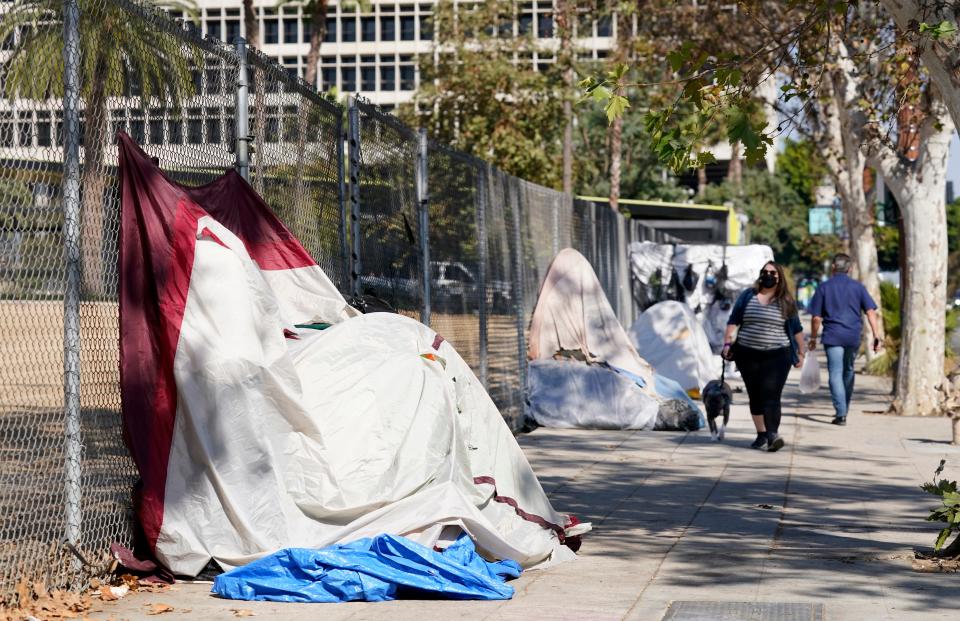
[{"x": 764, "y": 373}]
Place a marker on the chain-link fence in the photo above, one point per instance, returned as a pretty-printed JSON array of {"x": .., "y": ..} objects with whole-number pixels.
[{"x": 387, "y": 213}]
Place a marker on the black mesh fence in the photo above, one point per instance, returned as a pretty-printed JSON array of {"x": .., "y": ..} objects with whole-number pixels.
[{"x": 385, "y": 212}]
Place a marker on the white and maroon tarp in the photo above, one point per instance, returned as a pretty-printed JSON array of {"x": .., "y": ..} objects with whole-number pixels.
[{"x": 252, "y": 435}]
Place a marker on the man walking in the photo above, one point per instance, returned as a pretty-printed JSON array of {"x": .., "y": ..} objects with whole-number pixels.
[{"x": 837, "y": 306}]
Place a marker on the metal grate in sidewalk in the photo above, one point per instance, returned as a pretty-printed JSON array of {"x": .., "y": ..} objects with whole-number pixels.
[{"x": 743, "y": 611}]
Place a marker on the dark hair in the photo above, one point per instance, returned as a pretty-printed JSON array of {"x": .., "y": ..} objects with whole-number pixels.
[
  {"x": 788, "y": 306},
  {"x": 841, "y": 263}
]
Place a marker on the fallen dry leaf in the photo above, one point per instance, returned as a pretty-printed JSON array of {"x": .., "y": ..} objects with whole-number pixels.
[
  {"x": 113, "y": 593},
  {"x": 158, "y": 609},
  {"x": 242, "y": 612}
]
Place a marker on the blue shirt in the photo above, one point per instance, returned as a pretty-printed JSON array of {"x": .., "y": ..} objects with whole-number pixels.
[{"x": 841, "y": 302}]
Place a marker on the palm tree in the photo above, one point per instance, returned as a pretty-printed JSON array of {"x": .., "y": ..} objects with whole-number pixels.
[{"x": 120, "y": 55}]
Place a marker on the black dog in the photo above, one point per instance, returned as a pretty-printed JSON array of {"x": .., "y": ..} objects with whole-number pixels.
[{"x": 717, "y": 397}]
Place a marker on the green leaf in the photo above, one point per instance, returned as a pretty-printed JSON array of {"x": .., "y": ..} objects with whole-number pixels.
[
  {"x": 588, "y": 83},
  {"x": 938, "y": 31},
  {"x": 677, "y": 58},
  {"x": 618, "y": 72},
  {"x": 616, "y": 107},
  {"x": 942, "y": 538},
  {"x": 601, "y": 93}
]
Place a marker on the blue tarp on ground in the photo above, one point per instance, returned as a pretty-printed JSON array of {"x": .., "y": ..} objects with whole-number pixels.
[{"x": 373, "y": 570}]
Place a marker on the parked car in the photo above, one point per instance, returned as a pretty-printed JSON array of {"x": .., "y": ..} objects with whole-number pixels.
[{"x": 455, "y": 287}]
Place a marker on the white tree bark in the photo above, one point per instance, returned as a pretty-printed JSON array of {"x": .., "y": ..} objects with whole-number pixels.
[
  {"x": 918, "y": 187},
  {"x": 843, "y": 135}
]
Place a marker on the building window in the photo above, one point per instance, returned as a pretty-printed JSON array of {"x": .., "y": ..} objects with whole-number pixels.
[
  {"x": 348, "y": 79},
  {"x": 388, "y": 78},
  {"x": 426, "y": 28},
  {"x": 328, "y": 77},
  {"x": 290, "y": 31},
  {"x": 348, "y": 26},
  {"x": 25, "y": 133},
  {"x": 194, "y": 126},
  {"x": 44, "y": 133},
  {"x": 213, "y": 29},
  {"x": 605, "y": 26},
  {"x": 214, "y": 128},
  {"x": 156, "y": 128},
  {"x": 408, "y": 25},
  {"x": 368, "y": 28},
  {"x": 233, "y": 30},
  {"x": 525, "y": 23},
  {"x": 175, "y": 130},
  {"x": 388, "y": 28},
  {"x": 272, "y": 132},
  {"x": 368, "y": 79},
  {"x": 138, "y": 129},
  {"x": 214, "y": 85},
  {"x": 291, "y": 125},
  {"x": 330, "y": 30},
  {"x": 544, "y": 26},
  {"x": 271, "y": 31},
  {"x": 307, "y": 30},
  {"x": 408, "y": 81}
]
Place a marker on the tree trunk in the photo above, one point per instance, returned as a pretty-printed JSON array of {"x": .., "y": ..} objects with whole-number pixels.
[
  {"x": 841, "y": 146},
  {"x": 251, "y": 24},
  {"x": 919, "y": 189},
  {"x": 701, "y": 181},
  {"x": 303, "y": 197},
  {"x": 93, "y": 184},
  {"x": 565, "y": 56},
  {"x": 735, "y": 169},
  {"x": 318, "y": 23},
  {"x": 923, "y": 335}
]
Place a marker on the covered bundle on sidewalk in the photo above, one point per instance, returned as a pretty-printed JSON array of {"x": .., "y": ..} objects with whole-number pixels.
[
  {"x": 584, "y": 372},
  {"x": 264, "y": 413},
  {"x": 706, "y": 277},
  {"x": 671, "y": 338}
]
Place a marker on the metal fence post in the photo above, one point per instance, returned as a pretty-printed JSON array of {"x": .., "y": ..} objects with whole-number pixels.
[
  {"x": 623, "y": 282},
  {"x": 423, "y": 215},
  {"x": 242, "y": 105},
  {"x": 518, "y": 297},
  {"x": 342, "y": 200},
  {"x": 592, "y": 235},
  {"x": 483, "y": 179},
  {"x": 73, "y": 449},
  {"x": 556, "y": 226},
  {"x": 356, "y": 265}
]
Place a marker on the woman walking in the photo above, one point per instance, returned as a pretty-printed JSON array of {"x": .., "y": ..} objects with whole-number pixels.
[{"x": 769, "y": 338}]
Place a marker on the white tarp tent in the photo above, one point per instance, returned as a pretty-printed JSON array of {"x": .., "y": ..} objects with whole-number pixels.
[
  {"x": 670, "y": 337},
  {"x": 262, "y": 412},
  {"x": 584, "y": 372},
  {"x": 697, "y": 274}
]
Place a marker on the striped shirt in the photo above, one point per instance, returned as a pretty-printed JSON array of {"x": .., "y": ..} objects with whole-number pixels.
[{"x": 762, "y": 327}]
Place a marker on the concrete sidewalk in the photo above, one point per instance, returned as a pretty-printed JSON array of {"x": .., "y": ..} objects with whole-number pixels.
[{"x": 831, "y": 519}]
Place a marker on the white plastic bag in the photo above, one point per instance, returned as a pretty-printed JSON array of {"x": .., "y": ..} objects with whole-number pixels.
[{"x": 810, "y": 374}]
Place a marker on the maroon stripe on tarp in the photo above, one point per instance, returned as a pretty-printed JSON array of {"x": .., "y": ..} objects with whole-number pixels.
[
  {"x": 530, "y": 517},
  {"x": 158, "y": 234}
]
